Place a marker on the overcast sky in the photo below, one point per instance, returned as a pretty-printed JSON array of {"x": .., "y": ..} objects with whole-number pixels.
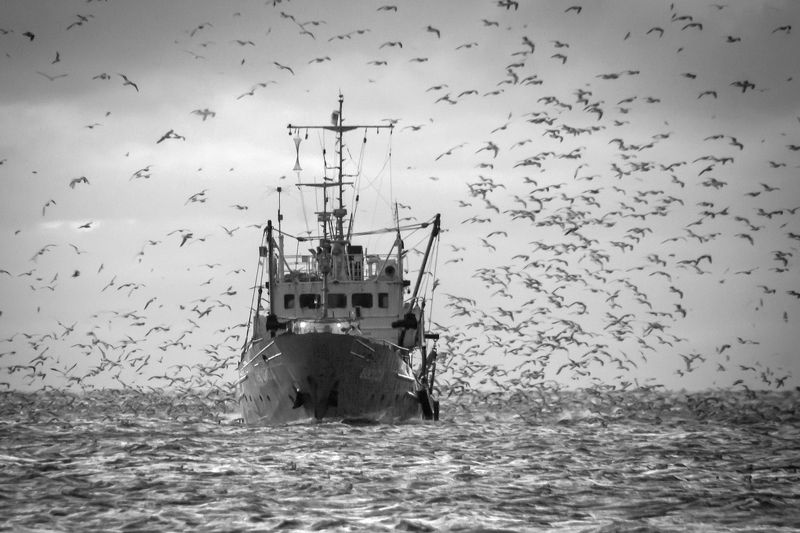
[{"x": 585, "y": 157}]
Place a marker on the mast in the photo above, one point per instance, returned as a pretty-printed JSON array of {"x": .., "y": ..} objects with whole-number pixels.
[
  {"x": 337, "y": 235},
  {"x": 341, "y": 213},
  {"x": 338, "y": 126}
]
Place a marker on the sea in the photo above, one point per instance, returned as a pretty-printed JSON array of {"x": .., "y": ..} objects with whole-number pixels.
[{"x": 644, "y": 460}]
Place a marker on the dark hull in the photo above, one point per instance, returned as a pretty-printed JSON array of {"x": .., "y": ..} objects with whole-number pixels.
[{"x": 296, "y": 377}]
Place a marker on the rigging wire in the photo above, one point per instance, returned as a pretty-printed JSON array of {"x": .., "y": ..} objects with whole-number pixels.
[
  {"x": 357, "y": 185},
  {"x": 380, "y": 196},
  {"x": 258, "y": 283},
  {"x": 302, "y": 197},
  {"x": 433, "y": 275},
  {"x": 391, "y": 185}
]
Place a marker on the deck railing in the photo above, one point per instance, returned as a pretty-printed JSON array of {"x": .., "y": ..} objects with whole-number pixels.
[{"x": 349, "y": 267}]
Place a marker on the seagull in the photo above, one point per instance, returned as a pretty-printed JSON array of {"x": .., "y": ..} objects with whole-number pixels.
[
  {"x": 284, "y": 67},
  {"x": 171, "y": 135},
  {"x": 80, "y": 21},
  {"x": 52, "y": 78},
  {"x": 431, "y": 29},
  {"x": 205, "y": 113},
  {"x": 48, "y": 204},
  {"x": 744, "y": 85},
  {"x": 41, "y": 251},
  {"x": 197, "y": 197},
  {"x": 491, "y": 147},
  {"x": 449, "y": 152},
  {"x": 128, "y": 82},
  {"x": 141, "y": 173},
  {"x": 76, "y": 181},
  {"x": 202, "y": 26}
]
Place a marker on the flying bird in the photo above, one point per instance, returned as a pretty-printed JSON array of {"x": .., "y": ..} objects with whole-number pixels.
[
  {"x": 450, "y": 151},
  {"x": 197, "y": 197},
  {"x": 492, "y": 147},
  {"x": 205, "y": 113},
  {"x": 743, "y": 85},
  {"x": 47, "y": 204},
  {"x": 126, "y": 81},
  {"x": 52, "y": 78},
  {"x": 199, "y": 27},
  {"x": 171, "y": 135},
  {"x": 143, "y": 173},
  {"x": 81, "y": 20},
  {"x": 76, "y": 181},
  {"x": 283, "y": 67}
]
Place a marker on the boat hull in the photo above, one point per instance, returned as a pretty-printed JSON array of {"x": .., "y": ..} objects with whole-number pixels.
[{"x": 300, "y": 377}]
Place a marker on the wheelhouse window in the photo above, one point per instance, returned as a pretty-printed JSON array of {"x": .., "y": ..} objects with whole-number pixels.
[
  {"x": 383, "y": 300},
  {"x": 337, "y": 300},
  {"x": 362, "y": 299},
  {"x": 310, "y": 301},
  {"x": 288, "y": 301}
]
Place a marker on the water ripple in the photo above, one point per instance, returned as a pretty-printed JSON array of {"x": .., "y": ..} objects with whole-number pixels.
[{"x": 656, "y": 463}]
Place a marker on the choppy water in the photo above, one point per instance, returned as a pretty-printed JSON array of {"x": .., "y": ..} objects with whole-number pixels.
[{"x": 554, "y": 461}]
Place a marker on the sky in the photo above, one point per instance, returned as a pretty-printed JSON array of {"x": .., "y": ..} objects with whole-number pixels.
[{"x": 618, "y": 181}]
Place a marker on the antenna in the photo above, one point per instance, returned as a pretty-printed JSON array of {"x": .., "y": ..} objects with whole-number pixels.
[{"x": 280, "y": 216}]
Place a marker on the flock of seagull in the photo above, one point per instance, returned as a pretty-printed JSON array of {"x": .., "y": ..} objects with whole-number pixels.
[{"x": 586, "y": 242}]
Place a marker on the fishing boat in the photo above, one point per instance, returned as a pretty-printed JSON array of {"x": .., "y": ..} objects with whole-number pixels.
[{"x": 339, "y": 332}]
